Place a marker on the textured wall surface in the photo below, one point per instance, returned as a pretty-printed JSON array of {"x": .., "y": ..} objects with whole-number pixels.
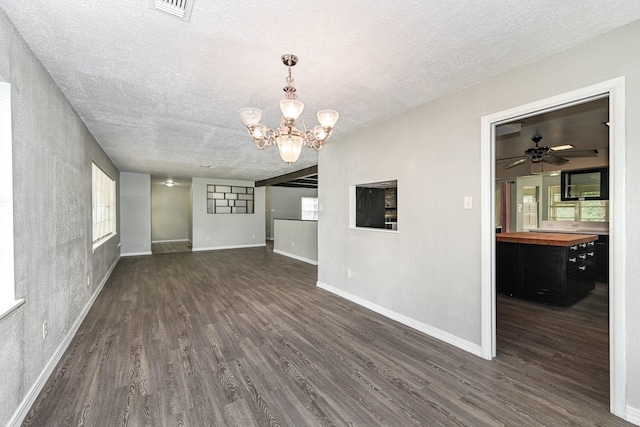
[
  {"x": 213, "y": 231},
  {"x": 285, "y": 203},
  {"x": 169, "y": 212},
  {"x": 135, "y": 213},
  {"x": 56, "y": 270},
  {"x": 430, "y": 270},
  {"x": 296, "y": 238}
]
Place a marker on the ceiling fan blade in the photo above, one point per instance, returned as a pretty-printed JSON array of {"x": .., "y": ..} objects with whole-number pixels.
[
  {"x": 555, "y": 160},
  {"x": 580, "y": 153},
  {"x": 516, "y": 163},
  {"x": 510, "y": 158}
]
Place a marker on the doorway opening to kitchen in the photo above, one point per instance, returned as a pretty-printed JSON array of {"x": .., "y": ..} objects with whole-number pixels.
[{"x": 518, "y": 201}]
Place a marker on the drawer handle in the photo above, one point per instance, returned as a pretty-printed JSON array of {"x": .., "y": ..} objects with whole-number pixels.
[
  {"x": 582, "y": 267},
  {"x": 591, "y": 243},
  {"x": 591, "y": 253},
  {"x": 572, "y": 260},
  {"x": 583, "y": 245},
  {"x": 574, "y": 248},
  {"x": 583, "y": 256}
]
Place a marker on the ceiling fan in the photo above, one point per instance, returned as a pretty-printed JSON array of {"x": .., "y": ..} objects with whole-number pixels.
[{"x": 548, "y": 155}]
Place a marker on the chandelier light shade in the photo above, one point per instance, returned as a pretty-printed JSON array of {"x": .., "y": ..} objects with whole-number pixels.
[{"x": 288, "y": 138}]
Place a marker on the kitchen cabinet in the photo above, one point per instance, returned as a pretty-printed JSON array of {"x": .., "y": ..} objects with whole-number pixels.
[
  {"x": 602, "y": 259},
  {"x": 551, "y": 268}
]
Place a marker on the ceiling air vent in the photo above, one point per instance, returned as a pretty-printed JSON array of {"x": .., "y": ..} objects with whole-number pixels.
[{"x": 178, "y": 8}]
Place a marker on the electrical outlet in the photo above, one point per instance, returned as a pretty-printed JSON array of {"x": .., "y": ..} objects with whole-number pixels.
[
  {"x": 88, "y": 281},
  {"x": 349, "y": 273},
  {"x": 45, "y": 329},
  {"x": 293, "y": 243},
  {"x": 253, "y": 236}
]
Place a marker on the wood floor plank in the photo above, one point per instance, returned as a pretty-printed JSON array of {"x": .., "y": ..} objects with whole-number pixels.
[{"x": 243, "y": 337}]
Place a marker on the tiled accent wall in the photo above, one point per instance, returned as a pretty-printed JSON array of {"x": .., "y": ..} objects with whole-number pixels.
[{"x": 227, "y": 199}]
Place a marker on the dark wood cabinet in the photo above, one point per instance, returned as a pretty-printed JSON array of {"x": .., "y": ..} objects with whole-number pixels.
[
  {"x": 546, "y": 273},
  {"x": 602, "y": 259}
]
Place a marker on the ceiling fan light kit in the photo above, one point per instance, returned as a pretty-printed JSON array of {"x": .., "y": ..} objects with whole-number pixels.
[
  {"x": 548, "y": 155},
  {"x": 289, "y": 138}
]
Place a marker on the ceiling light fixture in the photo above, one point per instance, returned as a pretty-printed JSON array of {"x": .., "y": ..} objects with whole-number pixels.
[
  {"x": 288, "y": 138},
  {"x": 169, "y": 183}
]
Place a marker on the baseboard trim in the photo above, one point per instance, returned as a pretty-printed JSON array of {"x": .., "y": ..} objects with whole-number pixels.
[
  {"x": 218, "y": 248},
  {"x": 298, "y": 257},
  {"x": 23, "y": 409},
  {"x": 633, "y": 415},
  {"x": 170, "y": 241},
  {"x": 465, "y": 345},
  {"x": 137, "y": 253}
]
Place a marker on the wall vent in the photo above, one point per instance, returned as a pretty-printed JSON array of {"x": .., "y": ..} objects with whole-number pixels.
[{"x": 178, "y": 8}]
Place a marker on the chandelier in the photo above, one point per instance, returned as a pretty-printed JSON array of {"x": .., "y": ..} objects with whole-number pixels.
[{"x": 287, "y": 136}]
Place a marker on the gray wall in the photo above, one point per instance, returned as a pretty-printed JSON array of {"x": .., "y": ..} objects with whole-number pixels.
[
  {"x": 431, "y": 270},
  {"x": 297, "y": 239},
  {"x": 169, "y": 212},
  {"x": 135, "y": 213},
  {"x": 285, "y": 203},
  {"x": 219, "y": 231},
  {"x": 56, "y": 270}
]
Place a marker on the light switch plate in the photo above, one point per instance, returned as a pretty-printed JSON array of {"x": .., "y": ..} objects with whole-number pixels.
[{"x": 468, "y": 202}]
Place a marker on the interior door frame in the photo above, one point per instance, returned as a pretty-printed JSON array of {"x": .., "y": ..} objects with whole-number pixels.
[{"x": 615, "y": 89}]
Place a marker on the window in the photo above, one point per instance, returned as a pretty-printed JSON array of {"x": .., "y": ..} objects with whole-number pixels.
[
  {"x": 310, "y": 208},
  {"x": 585, "y": 210},
  {"x": 103, "y": 197},
  {"x": 7, "y": 275},
  {"x": 529, "y": 208}
]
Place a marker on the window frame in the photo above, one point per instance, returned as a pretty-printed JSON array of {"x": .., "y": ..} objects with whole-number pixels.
[
  {"x": 8, "y": 301},
  {"x": 578, "y": 206},
  {"x": 100, "y": 177}
]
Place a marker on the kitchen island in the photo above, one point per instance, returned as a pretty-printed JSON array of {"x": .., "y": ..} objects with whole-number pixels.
[{"x": 554, "y": 268}]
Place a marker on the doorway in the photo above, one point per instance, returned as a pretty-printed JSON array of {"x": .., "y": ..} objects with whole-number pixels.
[
  {"x": 614, "y": 89},
  {"x": 171, "y": 215}
]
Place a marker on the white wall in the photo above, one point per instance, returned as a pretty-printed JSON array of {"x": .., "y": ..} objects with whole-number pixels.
[
  {"x": 221, "y": 231},
  {"x": 135, "y": 213},
  {"x": 285, "y": 203},
  {"x": 430, "y": 272},
  {"x": 170, "y": 219}
]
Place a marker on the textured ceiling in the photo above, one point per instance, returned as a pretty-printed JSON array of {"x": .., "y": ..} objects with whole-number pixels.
[{"x": 161, "y": 95}]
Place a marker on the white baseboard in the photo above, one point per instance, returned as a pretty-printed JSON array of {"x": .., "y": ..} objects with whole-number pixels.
[
  {"x": 298, "y": 257},
  {"x": 217, "y": 248},
  {"x": 23, "y": 409},
  {"x": 136, "y": 253},
  {"x": 633, "y": 415},
  {"x": 412, "y": 323},
  {"x": 170, "y": 241}
]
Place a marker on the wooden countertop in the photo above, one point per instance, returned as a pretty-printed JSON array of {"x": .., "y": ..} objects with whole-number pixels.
[{"x": 548, "y": 239}]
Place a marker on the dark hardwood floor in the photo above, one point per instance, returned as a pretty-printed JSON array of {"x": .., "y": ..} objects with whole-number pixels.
[
  {"x": 243, "y": 337},
  {"x": 170, "y": 247}
]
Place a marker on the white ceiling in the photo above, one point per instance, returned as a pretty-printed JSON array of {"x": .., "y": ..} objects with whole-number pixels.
[{"x": 161, "y": 95}]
